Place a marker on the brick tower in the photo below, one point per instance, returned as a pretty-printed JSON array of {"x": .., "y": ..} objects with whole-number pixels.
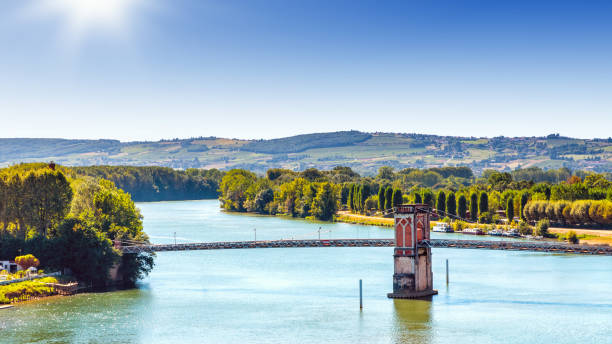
[{"x": 412, "y": 277}]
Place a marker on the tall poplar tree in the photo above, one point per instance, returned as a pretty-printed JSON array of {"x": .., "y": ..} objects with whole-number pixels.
[
  {"x": 462, "y": 206},
  {"x": 510, "y": 209},
  {"x": 388, "y": 198},
  {"x": 397, "y": 197},
  {"x": 417, "y": 198},
  {"x": 483, "y": 203},
  {"x": 451, "y": 203},
  {"x": 441, "y": 202},
  {"x": 381, "y": 198},
  {"x": 474, "y": 206}
]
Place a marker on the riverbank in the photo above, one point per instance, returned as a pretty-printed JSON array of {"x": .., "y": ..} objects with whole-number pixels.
[
  {"x": 358, "y": 219},
  {"x": 586, "y": 236}
]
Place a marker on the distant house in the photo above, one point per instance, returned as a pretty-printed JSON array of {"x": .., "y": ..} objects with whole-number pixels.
[{"x": 9, "y": 266}]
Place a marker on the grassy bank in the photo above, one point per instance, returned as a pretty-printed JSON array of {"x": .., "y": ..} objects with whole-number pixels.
[
  {"x": 347, "y": 217},
  {"x": 589, "y": 236},
  {"x": 26, "y": 290}
]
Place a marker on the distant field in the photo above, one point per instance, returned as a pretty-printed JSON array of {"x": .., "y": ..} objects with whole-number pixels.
[{"x": 364, "y": 152}]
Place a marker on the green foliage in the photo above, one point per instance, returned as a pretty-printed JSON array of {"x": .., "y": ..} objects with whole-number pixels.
[
  {"x": 397, "y": 197},
  {"x": 324, "y": 203},
  {"x": 34, "y": 199},
  {"x": 524, "y": 228},
  {"x": 483, "y": 203},
  {"x": 428, "y": 198},
  {"x": 583, "y": 212},
  {"x": 541, "y": 228},
  {"x": 26, "y": 289},
  {"x": 510, "y": 209},
  {"x": 301, "y": 143},
  {"x": 381, "y": 199},
  {"x": 572, "y": 237},
  {"x": 151, "y": 183},
  {"x": 38, "y": 222},
  {"x": 524, "y": 200},
  {"x": 441, "y": 202},
  {"x": 417, "y": 198},
  {"x": 485, "y": 217},
  {"x": 451, "y": 203},
  {"x": 389, "y": 198},
  {"x": 87, "y": 252},
  {"x": 235, "y": 189},
  {"x": 462, "y": 206},
  {"x": 474, "y": 206}
]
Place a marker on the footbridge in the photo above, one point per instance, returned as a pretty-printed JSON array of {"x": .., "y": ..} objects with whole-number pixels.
[{"x": 509, "y": 245}]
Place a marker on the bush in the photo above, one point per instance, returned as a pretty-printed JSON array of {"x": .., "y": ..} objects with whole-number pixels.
[
  {"x": 542, "y": 228},
  {"x": 572, "y": 237},
  {"x": 485, "y": 217},
  {"x": 524, "y": 228}
]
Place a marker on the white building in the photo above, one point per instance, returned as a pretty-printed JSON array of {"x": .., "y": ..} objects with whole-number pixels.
[{"x": 9, "y": 266}]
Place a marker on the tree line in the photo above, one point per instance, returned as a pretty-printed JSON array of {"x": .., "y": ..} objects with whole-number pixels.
[
  {"x": 153, "y": 183},
  {"x": 69, "y": 222},
  {"x": 490, "y": 198}
]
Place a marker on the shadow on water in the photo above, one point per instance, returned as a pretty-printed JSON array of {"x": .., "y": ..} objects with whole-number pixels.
[{"x": 412, "y": 321}]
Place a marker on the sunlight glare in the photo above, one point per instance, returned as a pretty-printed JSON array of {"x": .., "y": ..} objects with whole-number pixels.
[{"x": 84, "y": 15}]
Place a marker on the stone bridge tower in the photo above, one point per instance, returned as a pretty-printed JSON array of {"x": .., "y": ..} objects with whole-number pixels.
[{"x": 412, "y": 277}]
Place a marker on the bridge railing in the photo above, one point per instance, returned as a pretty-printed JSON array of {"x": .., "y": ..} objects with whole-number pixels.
[{"x": 440, "y": 243}]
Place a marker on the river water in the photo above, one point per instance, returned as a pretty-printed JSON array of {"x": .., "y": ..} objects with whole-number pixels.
[{"x": 310, "y": 295}]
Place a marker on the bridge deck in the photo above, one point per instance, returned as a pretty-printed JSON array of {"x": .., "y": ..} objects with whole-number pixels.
[{"x": 543, "y": 246}]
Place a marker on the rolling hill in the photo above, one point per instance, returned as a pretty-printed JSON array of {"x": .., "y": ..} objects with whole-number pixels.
[{"x": 364, "y": 152}]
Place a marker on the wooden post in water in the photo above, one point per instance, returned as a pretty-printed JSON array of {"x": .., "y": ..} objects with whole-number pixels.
[
  {"x": 447, "y": 272},
  {"x": 360, "y": 295}
]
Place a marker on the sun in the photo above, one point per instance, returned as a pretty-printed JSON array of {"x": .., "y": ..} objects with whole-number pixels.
[{"x": 82, "y": 16}]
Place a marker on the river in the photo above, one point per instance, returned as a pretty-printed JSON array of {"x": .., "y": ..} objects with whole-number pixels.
[{"x": 310, "y": 295}]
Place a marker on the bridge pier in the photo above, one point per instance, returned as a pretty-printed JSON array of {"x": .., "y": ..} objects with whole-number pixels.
[{"x": 412, "y": 277}]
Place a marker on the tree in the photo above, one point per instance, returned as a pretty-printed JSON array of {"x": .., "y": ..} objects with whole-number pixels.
[
  {"x": 572, "y": 237},
  {"x": 234, "y": 186},
  {"x": 441, "y": 202},
  {"x": 349, "y": 198},
  {"x": 462, "y": 206},
  {"x": 428, "y": 198},
  {"x": 474, "y": 206},
  {"x": 381, "y": 198},
  {"x": 417, "y": 198},
  {"x": 524, "y": 200},
  {"x": 27, "y": 261},
  {"x": 451, "y": 203},
  {"x": 385, "y": 172},
  {"x": 510, "y": 209},
  {"x": 397, "y": 197},
  {"x": 50, "y": 201},
  {"x": 483, "y": 203},
  {"x": 541, "y": 228},
  {"x": 324, "y": 204},
  {"x": 87, "y": 252},
  {"x": 389, "y": 198}
]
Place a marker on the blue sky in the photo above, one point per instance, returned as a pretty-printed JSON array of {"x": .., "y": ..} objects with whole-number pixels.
[{"x": 151, "y": 69}]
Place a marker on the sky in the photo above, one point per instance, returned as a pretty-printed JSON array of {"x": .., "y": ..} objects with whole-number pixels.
[{"x": 152, "y": 69}]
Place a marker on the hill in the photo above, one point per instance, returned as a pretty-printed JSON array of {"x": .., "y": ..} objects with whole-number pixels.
[{"x": 364, "y": 152}]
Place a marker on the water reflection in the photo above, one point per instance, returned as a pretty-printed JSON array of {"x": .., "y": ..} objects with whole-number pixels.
[{"x": 412, "y": 321}]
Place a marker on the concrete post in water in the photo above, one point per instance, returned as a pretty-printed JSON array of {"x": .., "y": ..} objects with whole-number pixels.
[
  {"x": 360, "y": 295},
  {"x": 447, "y": 272},
  {"x": 412, "y": 278},
  {"x": 255, "y": 231}
]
